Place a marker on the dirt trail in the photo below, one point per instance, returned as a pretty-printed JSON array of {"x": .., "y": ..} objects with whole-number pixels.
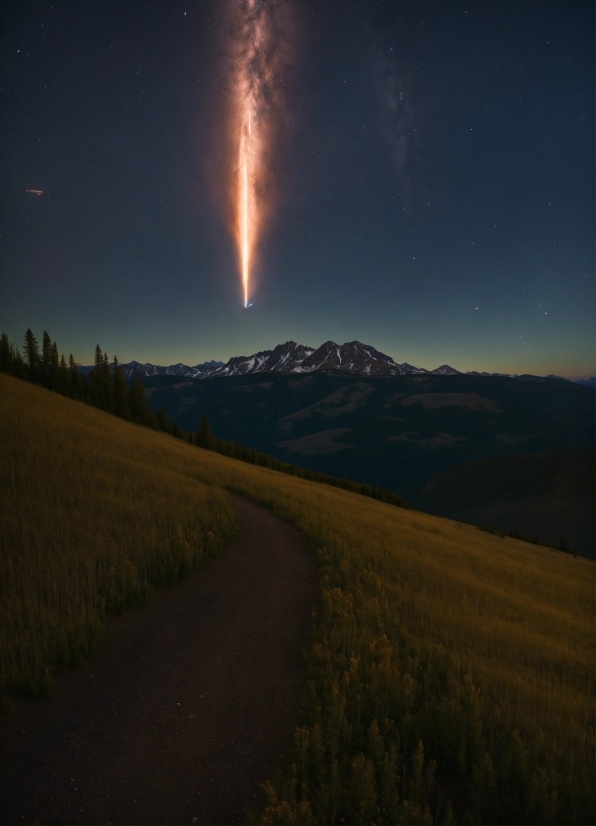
[{"x": 189, "y": 705}]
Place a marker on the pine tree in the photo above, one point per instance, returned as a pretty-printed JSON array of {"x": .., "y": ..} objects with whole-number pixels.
[
  {"x": 98, "y": 358},
  {"x": 46, "y": 357},
  {"x": 75, "y": 379},
  {"x": 32, "y": 354},
  {"x": 120, "y": 392},
  {"x": 100, "y": 380},
  {"x": 140, "y": 412},
  {"x": 64, "y": 381},
  {"x": 205, "y": 436},
  {"x": 54, "y": 381},
  {"x": 6, "y": 355},
  {"x": 19, "y": 368},
  {"x": 106, "y": 385},
  {"x": 162, "y": 420},
  {"x": 94, "y": 377},
  {"x": 85, "y": 391}
]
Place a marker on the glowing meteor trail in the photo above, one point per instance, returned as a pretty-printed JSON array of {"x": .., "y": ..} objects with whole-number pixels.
[
  {"x": 245, "y": 220},
  {"x": 248, "y": 164},
  {"x": 257, "y": 63}
]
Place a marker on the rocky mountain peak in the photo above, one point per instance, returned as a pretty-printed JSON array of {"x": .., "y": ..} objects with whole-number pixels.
[{"x": 353, "y": 357}]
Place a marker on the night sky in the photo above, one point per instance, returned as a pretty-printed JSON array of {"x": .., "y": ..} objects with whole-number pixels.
[{"x": 433, "y": 185}]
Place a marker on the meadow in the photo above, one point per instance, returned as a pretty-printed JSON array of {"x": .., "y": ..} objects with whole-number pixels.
[
  {"x": 86, "y": 530},
  {"x": 451, "y": 671}
]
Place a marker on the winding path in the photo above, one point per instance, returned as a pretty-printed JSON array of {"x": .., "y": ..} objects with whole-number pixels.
[{"x": 188, "y": 707}]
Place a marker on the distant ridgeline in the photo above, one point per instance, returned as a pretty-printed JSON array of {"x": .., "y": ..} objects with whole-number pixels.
[{"x": 105, "y": 387}]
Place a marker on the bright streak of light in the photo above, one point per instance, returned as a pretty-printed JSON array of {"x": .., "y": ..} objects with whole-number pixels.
[
  {"x": 245, "y": 225},
  {"x": 249, "y": 163},
  {"x": 258, "y": 61}
]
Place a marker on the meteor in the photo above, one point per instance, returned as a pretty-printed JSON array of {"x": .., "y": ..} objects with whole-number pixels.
[
  {"x": 249, "y": 145},
  {"x": 246, "y": 214},
  {"x": 248, "y": 167},
  {"x": 35, "y": 191},
  {"x": 258, "y": 55}
]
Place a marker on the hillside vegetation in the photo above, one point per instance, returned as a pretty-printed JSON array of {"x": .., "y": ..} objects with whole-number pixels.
[
  {"x": 88, "y": 527},
  {"x": 548, "y": 495},
  {"x": 451, "y": 671}
]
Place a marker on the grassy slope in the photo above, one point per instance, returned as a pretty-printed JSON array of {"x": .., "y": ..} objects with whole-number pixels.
[
  {"x": 434, "y": 641},
  {"x": 89, "y": 525}
]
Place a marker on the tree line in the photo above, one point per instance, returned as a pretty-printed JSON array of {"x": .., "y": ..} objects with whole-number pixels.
[{"x": 105, "y": 387}]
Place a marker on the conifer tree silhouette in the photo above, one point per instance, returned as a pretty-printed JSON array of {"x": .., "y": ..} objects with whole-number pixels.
[
  {"x": 205, "y": 436},
  {"x": 32, "y": 354},
  {"x": 119, "y": 392}
]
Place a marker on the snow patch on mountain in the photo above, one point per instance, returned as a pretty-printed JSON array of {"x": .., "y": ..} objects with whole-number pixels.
[{"x": 353, "y": 357}]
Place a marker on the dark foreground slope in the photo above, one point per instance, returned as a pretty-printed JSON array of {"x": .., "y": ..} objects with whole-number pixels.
[
  {"x": 189, "y": 706},
  {"x": 547, "y": 495},
  {"x": 451, "y": 672},
  {"x": 94, "y": 519}
]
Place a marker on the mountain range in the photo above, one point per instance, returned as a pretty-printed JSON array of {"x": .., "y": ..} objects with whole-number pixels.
[
  {"x": 351, "y": 357},
  {"x": 199, "y": 371},
  {"x": 512, "y": 451}
]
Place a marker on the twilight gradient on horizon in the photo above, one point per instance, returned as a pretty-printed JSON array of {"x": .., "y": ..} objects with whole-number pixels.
[{"x": 434, "y": 193}]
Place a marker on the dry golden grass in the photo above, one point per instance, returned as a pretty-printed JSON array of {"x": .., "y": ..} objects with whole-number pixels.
[
  {"x": 411, "y": 600},
  {"x": 433, "y": 641},
  {"x": 88, "y": 526}
]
